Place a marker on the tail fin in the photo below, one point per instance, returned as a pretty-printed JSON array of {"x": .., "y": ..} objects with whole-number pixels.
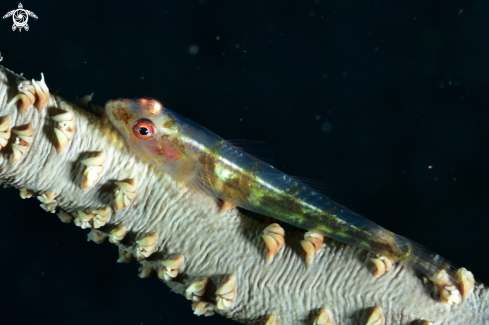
[{"x": 429, "y": 263}]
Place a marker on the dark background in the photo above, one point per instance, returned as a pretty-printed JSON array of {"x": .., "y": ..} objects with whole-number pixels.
[{"x": 364, "y": 96}]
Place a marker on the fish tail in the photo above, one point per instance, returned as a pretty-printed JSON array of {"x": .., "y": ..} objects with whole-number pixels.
[{"x": 429, "y": 263}]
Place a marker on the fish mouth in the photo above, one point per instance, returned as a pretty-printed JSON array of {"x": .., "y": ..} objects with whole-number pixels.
[{"x": 118, "y": 111}]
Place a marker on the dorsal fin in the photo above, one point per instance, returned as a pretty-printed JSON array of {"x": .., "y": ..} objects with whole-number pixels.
[
  {"x": 258, "y": 149},
  {"x": 318, "y": 186}
]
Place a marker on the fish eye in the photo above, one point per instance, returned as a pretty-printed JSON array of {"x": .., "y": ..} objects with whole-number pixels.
[{"x": 143, "y": 129}]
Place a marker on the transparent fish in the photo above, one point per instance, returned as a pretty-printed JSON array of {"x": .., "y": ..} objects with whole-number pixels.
[{"x": 195, "y": 156}]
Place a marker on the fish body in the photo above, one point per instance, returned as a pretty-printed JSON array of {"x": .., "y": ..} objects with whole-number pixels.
[{"x": 199, "y": 158}]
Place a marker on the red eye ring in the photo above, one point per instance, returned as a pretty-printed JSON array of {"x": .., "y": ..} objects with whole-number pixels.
[{"x": 143, "y": 129}]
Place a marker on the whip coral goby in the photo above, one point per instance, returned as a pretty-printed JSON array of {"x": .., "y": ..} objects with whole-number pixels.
[
  {"x": 197, "y": 158},
  {"x": 217, "y": 259}
]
